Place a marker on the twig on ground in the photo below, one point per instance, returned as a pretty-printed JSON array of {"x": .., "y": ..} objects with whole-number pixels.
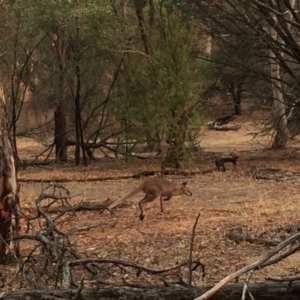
[
  {"x": 245, "y": 288},
  {"x": 82, "y": 262},
  {"x": 284, "y": 278},
  {"x": 128, "y": 264},
  {"x": 79, "y": 290},
  {"x": 191, "y": 250}
]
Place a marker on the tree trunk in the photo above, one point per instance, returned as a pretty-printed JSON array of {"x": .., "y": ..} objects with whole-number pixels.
[
  {"x": 141, "y": 21},
  {"x": 177, "y": 137},
  {"x": 78, "y": 123},
  {"x": 279, "y": 109},
  {"x": 282, "y": 133},
  {"x": 236, "y": 93},
  {"x": 60, "y": 138},
  {"x": 9, "y": 191},
  {"x": 59, "y": 131}
]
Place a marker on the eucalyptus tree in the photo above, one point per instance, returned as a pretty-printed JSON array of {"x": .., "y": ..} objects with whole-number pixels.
[
  {"x": 67, "y": 45},
  {"x": 270, "y": 28},
  {"x": 20, "y": 39},
  {"x": 162, "y": 78},
  {"x": 109, "y": 63}
]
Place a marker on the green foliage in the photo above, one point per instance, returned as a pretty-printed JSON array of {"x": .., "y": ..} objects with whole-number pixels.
[
  {"x": 152, "y": 91},
  {"x": 84, "y": 25},
  {"x": 160, "y": 88},
  {"x": 172, "y": 5}
]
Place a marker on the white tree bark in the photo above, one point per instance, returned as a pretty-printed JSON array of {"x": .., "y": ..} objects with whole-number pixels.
[
  {"x": 282, "y": 133},
  {"x": 9, "y": 192}
]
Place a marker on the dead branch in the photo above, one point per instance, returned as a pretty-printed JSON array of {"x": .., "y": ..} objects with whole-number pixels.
[
  {"x": 62, "y": 180},
  {"x": 130, "y": 264},
  {"x": 82, "y": 262},
  {"x": 53, "y": 243},
  {"x": 240, "y": 235},
  {"x": 79, "y": 290},
  {"x": 172, "y": 172},
  {"x": 273, "y": 174},
  {"x": 291, "y": 229},
  {"x": 263, "y": 261},
  {"x": 82, "y": 206},
  {"x": 287, "y": 253},
  {"x": 222, "y": 121},
  {"x": 226, "y": 128},
  {"x": 191, "y": 250},
  {"x": 219, "y": 124},
  {"x": 135, "y": 176},
  {"x": 245, "y": 288},
  {"x": 284, "y": 278}
]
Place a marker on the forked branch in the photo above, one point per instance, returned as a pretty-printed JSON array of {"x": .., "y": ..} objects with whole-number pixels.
[{"x": 262, "y": 262}]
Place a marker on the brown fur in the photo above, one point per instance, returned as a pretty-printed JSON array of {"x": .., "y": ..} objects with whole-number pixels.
[{"x": 154, "y": 188}]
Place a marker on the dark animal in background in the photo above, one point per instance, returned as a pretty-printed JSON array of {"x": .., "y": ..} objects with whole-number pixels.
[{"x": 220, "y": 162}]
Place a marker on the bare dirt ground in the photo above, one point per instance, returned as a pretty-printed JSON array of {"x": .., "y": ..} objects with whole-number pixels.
[{"x": 225, "y": 201}]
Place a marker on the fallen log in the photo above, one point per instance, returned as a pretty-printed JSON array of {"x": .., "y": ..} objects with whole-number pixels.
[
  {"x": 261, "y": 291},
  {"x": 172, "y": 172},
  {"x": 225, "y": 127},
  {"x": 82, "y": 206},
  {"x": 134, "y": 176},
  {"x": 222, "y": 121},
  {"x": 273, "y": 174},
  {"x": 239, "y": 235}
]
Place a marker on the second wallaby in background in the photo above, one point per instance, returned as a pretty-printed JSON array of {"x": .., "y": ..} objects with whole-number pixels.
[{"x": 154, "y": 188}]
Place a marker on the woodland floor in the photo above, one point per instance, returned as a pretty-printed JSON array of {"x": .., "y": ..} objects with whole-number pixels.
[{"x": 225, "y": 201}]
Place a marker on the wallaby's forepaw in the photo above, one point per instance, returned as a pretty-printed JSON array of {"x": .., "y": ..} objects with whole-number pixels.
[{"x": 142, "y": 217}]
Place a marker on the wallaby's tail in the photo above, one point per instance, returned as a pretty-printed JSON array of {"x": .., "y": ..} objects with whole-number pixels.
[{"x": 120, "y": 201}]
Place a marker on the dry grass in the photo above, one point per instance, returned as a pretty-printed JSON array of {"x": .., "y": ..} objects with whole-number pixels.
[{"x": 228, "y": 200}]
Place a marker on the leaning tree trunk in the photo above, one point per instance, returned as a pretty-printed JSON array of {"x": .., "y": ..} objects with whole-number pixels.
[
  {"x": 9, "y": 192},
  {"x": 282, "y": 133}
]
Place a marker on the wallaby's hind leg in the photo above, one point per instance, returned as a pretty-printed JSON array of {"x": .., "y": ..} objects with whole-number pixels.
[
  {"x": 161, "y": 204},
  {"x": 146, "y": 199}
]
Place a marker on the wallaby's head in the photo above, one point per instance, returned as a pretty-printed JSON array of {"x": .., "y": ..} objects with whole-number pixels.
[{"x": 185, "y": 189}]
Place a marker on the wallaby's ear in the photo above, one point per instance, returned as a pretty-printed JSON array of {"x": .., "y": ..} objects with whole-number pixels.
[{"x": 184, "y": 183}]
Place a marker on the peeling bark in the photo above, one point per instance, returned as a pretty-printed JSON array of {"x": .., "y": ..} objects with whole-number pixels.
[{"x": 9, "y": 191}]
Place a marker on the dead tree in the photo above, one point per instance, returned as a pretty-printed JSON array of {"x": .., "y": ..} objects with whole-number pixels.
[{"x": 9, "y": 192}]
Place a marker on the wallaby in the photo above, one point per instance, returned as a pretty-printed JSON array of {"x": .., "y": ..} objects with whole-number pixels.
[
  {"x": 220, "y": 163},
  {"x": 154, "y": 188}
]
